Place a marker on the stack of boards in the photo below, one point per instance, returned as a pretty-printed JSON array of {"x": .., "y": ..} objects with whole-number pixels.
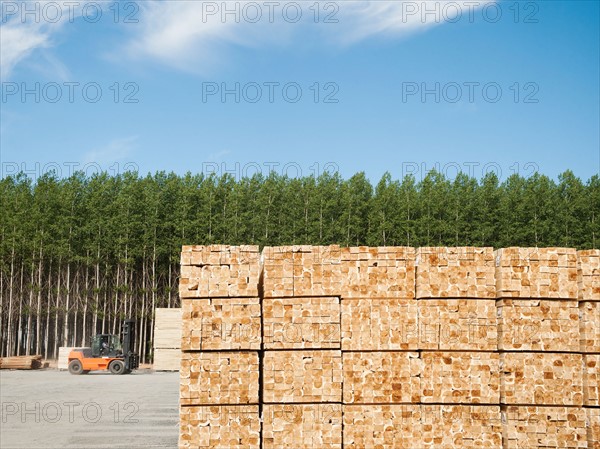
[
  {"x": 329, "y": 348},
  {"x": 167, "y": 339}
]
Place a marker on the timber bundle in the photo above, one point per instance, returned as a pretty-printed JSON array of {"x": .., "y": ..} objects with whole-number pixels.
[
  {"x": 389, "y": 347},
  {"x": 21, "y": 362}
]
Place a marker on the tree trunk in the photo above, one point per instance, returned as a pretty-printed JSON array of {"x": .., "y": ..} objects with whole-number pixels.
[{"x": 9, "y": 342}]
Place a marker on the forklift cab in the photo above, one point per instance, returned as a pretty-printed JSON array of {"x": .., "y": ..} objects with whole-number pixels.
[{"x": 106, "y": 345}]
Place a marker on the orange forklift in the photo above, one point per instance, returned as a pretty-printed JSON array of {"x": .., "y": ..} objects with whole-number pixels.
[{"x": 107, "y": 353}]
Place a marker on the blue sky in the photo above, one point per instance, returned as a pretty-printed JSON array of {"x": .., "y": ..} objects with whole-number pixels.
[{"x": 373, "y": 59}]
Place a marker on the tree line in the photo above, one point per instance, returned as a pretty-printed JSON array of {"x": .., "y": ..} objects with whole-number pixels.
[{"x": 80, "y": 254}]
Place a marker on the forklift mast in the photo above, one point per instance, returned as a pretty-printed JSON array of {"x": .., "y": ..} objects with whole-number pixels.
[{"x": 131, "y": 359}]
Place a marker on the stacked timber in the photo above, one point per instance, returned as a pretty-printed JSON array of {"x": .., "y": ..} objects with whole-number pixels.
[
  {"x": 382, "y": 377},
  {"x": 298, "y": 323},
  {"x": 209, "y": 378},
  {"x": 382, "y": 426},
  {"x": 302, "y": 426},
  {"x": 63, "y": 357},
  {"x": 302, "y": 270},
  {"x": 381, "y": 272},
  {"x": 542, "y": 378},
  {"x": 220, "y": 426},
  {"x": 461, "y": 426},
  {"x": 588, "y": 271},
  {"x": 221, "y": 324},
  {"x": 536, "y": 273},
  {"x": 593, "y": 427},
  {"x": 544, "y": 427},
  {"x": 325, "y": 347},
  {"x": 457, "y": 324},
  {"x": 589, "y": 329},
  {"x": 591, "y": 380},
  {"x": 21, "y": 362},
  {"x": 463, "y": 272},
  {"x": 302, "y": 376},
  {"x": 377, "y": 325},
  {"x": 218, "y": 271},
  {"x": 167, "y": 339},
  {"x": 460, "y": 378},
  {"x": 538, "y": 325},
  {"x": 220, "y": 338}
]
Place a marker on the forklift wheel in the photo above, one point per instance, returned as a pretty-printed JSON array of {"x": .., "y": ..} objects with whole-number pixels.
[
  {"x": 117, "y": 367},
  {"x": 75, "y": 367}
]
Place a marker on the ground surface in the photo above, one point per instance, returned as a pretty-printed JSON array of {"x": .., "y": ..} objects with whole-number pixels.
[{"x": 50, "y": 409}]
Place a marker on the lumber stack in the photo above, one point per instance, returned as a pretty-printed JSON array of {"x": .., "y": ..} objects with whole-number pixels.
[
  {"x": 230, "y": 426},
  {"x": 167, "y": 339},
  {"x": 462, "y": 272},
  {"x": 297, "y": 323},
  {"x": 221, "y": 324},
  {"x": 538, "y": 325},
  {"x": 293, "y": 426},
  {"x": 536, "y": 378},
  {"x": 302, "y": 270},
  {"x": 457, "y": 324},
  {"x": 381, "y": 272},
  {"x": 588, "y": 278},
  {"x": 21, "y": 362},
  {"x": 376, "y": 325},
  {"x": 536, "y": 273},
  {"x": 63, "y": 357},
  {"x": 588, "y": 271},
  {"x": 544, "y": 427},
  {"x": 322, "y": 347},
  {"x": 218, "y": 271},
  {"x": 593, "y": 428}
]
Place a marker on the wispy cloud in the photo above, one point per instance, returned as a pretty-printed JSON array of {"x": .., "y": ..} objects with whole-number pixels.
[
  {"x": 19, "y": 40},
  {"x": 114, "y": 151},
  {"x": 196, "y": 35}
]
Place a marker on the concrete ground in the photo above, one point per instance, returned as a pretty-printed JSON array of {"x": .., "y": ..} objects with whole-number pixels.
[{"x": 50, "y": 409}]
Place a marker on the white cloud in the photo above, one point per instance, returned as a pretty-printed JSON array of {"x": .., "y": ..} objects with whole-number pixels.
[
  {"x": 193, "y": 36},
  {"x": 196, "y": 35},
  {"x": 18, "y": 41}
]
